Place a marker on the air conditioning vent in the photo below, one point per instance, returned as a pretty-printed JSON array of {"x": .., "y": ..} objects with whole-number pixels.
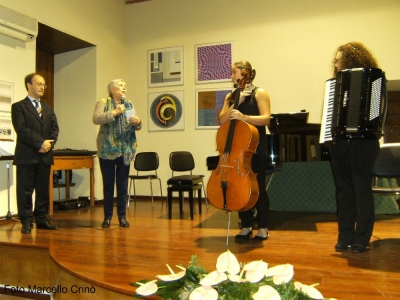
[{"x": 17, "y": 25}]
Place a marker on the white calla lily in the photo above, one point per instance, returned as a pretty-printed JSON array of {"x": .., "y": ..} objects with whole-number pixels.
[
  {"x": 281, "y": 273},
  {"x": 204, "y": 293},
  {"x": 266, "y": 292},
  {"x": 213, "y": 278},
  {"x": 173, "y": 276},
  {"x": 255, "y": 271},
  {"x": 310, "y": 290},
  {"x": 237, "y": 278},
  {"x": 147, "y": 288},
  {"x": 227, "y": 262}
]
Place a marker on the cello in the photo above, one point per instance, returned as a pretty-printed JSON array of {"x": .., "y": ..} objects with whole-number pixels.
[{"x": 233, "y": 185}]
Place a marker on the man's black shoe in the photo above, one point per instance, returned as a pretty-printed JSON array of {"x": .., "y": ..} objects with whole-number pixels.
[
  {"x": 340, "y": 247},
  {"x": 358, "y": 248},
  {"x": 26, "y": 228},
  {"x": 45, "y": 225}
]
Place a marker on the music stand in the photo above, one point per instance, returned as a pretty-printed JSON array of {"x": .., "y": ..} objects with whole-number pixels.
[{"x": 9, "y": 215}]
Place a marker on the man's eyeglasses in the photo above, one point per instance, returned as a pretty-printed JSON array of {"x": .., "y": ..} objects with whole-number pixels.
[{"x": 41, "y": 85}]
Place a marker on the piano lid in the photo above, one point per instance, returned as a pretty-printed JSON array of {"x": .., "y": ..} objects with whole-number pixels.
[
  {"x": 293, "y": 118},
  {"x": 295, "y": 123}
]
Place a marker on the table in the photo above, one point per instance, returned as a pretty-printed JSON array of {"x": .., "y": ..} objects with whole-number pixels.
[{"x": 69, "y": 160}]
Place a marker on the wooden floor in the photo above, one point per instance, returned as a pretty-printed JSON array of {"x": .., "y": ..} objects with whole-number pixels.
[{"x": 110, "y": 259}]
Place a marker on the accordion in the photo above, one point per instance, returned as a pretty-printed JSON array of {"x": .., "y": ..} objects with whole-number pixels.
[{"x": 355, "y": 105}]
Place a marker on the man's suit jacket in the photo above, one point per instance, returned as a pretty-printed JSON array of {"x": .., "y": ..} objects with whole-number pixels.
[{"x": 32, "y": 131}]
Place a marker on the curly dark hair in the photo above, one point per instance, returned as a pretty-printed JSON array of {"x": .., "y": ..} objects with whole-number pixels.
[{"x": 356, "y": 55}]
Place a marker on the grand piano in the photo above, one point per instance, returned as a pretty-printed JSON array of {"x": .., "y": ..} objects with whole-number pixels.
[{"x": 293, "y": 139}]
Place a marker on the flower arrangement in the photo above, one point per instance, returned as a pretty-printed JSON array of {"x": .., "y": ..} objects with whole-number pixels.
[{"x": 230, "y": 280}]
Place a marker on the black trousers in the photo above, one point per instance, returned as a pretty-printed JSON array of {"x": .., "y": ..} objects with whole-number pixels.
[
  {"x": 258, "y": 166},
  {"x": 33, "y": 177},
  {"x": 352, "y": 162},
  {"x": 114, "y": 172}
]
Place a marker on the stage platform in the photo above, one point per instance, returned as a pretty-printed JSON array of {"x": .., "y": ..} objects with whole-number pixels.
[{"x": 83, "y": 261}]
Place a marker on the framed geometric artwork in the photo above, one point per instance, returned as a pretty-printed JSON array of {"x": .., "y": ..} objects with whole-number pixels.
[
  {"x": 165, "y": 67},
  {"x": 166, "y": 111},
  {"x": 209, "y": 103},
  {"x": 6, "y": 99},
  {"x": 213, "y": 62}
]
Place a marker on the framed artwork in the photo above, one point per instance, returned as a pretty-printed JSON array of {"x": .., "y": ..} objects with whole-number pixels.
[
  {"x": 213, "y": 62},
  {"x": 6, "y": 99},
  {"x": 165, "y": 67},
  {"x": 166, "y": 111},
  {"x": 209, "y": 103}
]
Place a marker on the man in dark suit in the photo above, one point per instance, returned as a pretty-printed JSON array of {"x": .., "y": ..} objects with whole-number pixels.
[{"x": 37, "y": 131}]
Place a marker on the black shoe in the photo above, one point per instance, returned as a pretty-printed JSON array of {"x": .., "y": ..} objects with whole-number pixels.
[
  {"x": 358, "y": 248},
  {"x": 123, "y": 223},
  {"x": 45, "y": 225},
  {"x": 105, "y": 224},
  {"x": 340, "y": 247},
  {"x": 261, "y": 237},
  {"x": 243, "y": 235},
  {"x": 26, "y": 228}
]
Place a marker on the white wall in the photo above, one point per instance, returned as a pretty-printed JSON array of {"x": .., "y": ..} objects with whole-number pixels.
[
  {"x": 16, "y": 58},
  {"x": 290, "y": 43},
  {"x": 81, "y": 76}
]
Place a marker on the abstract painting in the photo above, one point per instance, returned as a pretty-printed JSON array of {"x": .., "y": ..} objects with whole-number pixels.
[
  {"x": 209, "y": 103},
  {"x": 213, "y": 62},
  {"x": 166, "y": 111},
  {"x": 165, "y": 67},
  {"x": 6, "y": 99}
]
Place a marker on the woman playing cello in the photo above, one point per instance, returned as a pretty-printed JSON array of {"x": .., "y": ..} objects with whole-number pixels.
[{"x": 254, "y": 108}]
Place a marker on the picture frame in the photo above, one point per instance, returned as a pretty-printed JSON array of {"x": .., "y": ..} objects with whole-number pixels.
[
  {"x": 6, "y": 100},
  {"x": 213, "y": 62},
  {"x": 166, "y": 111},
  {"x": 165, "y": 67},
  {"x": 209, "y": 103}
]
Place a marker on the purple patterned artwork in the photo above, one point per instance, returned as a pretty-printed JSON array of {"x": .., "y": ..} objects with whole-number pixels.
[{"x": 214, "y": 62}]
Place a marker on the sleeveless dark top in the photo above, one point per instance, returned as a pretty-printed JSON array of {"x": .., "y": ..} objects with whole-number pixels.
[{"x": 249, "y": 107}]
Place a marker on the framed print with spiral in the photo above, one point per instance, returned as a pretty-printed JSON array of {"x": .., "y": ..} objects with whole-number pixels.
[{"x": 166, "y": 111}]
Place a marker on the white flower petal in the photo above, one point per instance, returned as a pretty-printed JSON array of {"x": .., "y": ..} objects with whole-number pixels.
[
  {"x": 147, "y": 288},
  {"x": 258, "y": 265},
  {"x": 310, "y": 290},
  {"x": 281, "y": 273},
  {"x": 266, "y": 292},
  {"x": 254, "y": 276},
  {"x": 172, "y": 277},
  {"x": 227, "y": 262},
  {"x": 213, "y": 278},
  {"x": 285, "y": 276},
  {"x": 236, "y": 278},
  {"x": 204, "y": 293}
]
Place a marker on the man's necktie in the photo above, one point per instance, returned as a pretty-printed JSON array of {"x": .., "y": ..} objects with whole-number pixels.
[{"x": 38, "y": 108}]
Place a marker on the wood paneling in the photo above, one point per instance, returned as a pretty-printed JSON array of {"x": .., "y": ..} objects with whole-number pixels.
[{"x": 49, "y": 43}]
